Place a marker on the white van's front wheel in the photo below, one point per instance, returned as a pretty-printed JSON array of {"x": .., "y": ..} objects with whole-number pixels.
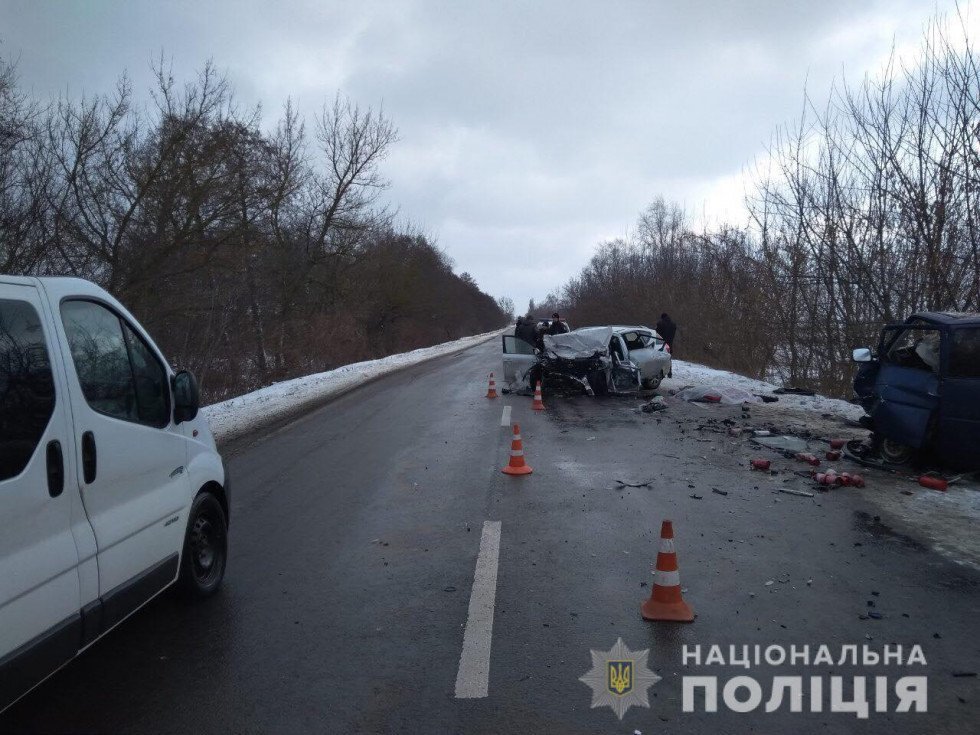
[{"x": 205, "y": 547}]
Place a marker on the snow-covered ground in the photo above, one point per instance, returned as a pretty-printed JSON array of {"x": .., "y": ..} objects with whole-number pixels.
[
  {"x": 690, "y": 373},
  {"x": 237, "y": 416}
]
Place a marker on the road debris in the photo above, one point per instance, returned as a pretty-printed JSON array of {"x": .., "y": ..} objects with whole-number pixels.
[
  {"x": 635, "y": 484},
  {"x": 655, "y": 404},
  {"x": 811, "y": 459},
  {"x": 780, "y": 443},
  {"x": 845, "y": 479},
  {"x": 726, "y": 394},
  {"x": 719, "y": 492},
  {"x": 788, "y": 390},
  {"x": 790, "y": 491},
  {"x": 760, "y": 464},
  {"x": 933, "y": 482}
]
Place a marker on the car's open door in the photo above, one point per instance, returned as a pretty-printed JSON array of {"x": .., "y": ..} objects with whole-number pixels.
[
  {"x": 519, "y": 358},
  {"x": 907, "y": 386}
]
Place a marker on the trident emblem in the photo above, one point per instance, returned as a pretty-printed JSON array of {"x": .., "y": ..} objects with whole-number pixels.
[{"x": 620, "y": 677}]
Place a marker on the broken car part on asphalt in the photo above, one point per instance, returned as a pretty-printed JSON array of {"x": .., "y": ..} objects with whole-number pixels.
[{"x": 724, "y": 394}]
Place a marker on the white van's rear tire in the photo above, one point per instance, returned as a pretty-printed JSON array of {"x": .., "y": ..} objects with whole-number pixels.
[{"x": 202, "y": 565}]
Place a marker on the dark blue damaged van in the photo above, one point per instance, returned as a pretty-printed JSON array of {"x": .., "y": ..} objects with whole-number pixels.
[{"x": 921, "y": 389}]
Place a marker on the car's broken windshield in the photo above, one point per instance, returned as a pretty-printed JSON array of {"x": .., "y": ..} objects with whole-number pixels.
[{"x": 915, "y": 347}]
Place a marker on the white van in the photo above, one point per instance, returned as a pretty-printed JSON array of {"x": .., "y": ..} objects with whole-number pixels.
[{"x": 111, "y": 487}]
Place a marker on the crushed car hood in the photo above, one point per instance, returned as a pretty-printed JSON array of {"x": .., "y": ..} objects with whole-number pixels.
[{"x": 577, "y": 345}]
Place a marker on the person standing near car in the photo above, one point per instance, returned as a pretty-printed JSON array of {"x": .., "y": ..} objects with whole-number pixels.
[
  {"x": 525, "y": 330},
  {"x": 557, "y": 325},
  {"x": 667, "y": 329}
]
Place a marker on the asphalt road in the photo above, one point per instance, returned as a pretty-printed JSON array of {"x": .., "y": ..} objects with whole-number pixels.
[{"x": 355, "y": 536}]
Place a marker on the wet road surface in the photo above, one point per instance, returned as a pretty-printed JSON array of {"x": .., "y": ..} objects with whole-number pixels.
[{"x": 355, "y": 537}]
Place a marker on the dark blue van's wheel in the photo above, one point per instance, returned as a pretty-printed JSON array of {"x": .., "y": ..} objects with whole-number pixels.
[
  {"x": 894, "y": 452},
  {"x": 205, "y": 548}
]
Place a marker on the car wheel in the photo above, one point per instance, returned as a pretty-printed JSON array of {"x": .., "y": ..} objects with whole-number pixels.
[
  {"x": 205, "y": 554},
  {"x": 652, "y": 383},
  {"x": 895, "y": 453}
]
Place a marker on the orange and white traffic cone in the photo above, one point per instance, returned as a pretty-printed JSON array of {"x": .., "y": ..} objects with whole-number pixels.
[
  {"x": 538, "y": 404},
  {"x": 492, "y": 390},
  {"x": 665, "y": 601},
  {"x": 517, "y": 465}
]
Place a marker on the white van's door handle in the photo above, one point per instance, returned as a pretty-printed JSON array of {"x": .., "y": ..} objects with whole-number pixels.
[
  {"x": 56, "y": 468},
  {"x": 89, "y": 458}
]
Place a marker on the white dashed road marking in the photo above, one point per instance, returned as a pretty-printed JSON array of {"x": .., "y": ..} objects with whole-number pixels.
[
  {"x": 505, "y": 417},
  {"x": 473, "y": 677}
]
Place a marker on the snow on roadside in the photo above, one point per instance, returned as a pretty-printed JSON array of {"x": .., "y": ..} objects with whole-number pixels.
[
  {"x": 690, "y": 373},
  {"x": 237, "y": 416}
]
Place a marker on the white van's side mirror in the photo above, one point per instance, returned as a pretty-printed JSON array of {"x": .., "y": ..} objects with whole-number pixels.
[
  {"x": 187, "y": 397},
  {"x": 862, "y": 354}
]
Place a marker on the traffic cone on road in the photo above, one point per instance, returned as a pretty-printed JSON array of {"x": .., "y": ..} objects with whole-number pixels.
[
  {"x": 492, "y": 390},
  {"x": 517, "y": 465},
  {"x": 538, "y": 404},
  {"x": 665, "y": 601}
]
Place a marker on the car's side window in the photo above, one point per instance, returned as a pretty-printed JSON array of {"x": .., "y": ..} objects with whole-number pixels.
[
  {"x": 27, "y": 394},
  {"x": 150, "y": 376},
  {"x": 118, "y": 373},
  {"x": 633, "y": 341},
  {"x": 964, "y": 357},
  {"x": 649, "y": 340},
  {"x": 98, "y": 349},
  {"x": 515, "y": 346}
]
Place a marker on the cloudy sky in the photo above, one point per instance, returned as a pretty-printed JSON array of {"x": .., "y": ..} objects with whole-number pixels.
[{"x": 530, "y": 131}]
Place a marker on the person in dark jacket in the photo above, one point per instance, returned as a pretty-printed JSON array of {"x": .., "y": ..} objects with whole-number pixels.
[
  {"x": 667, "y": 329},
  {"x": 557, "y": 325},
  {"x": 525, "y": 330}
]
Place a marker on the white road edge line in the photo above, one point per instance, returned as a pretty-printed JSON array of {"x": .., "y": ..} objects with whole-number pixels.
[
  {"x": 505, "y": 417},
  {"x": 473, "y": 677}
]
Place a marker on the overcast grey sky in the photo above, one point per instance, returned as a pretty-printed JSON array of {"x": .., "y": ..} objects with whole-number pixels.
[{"x": 529, "y": 131}]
